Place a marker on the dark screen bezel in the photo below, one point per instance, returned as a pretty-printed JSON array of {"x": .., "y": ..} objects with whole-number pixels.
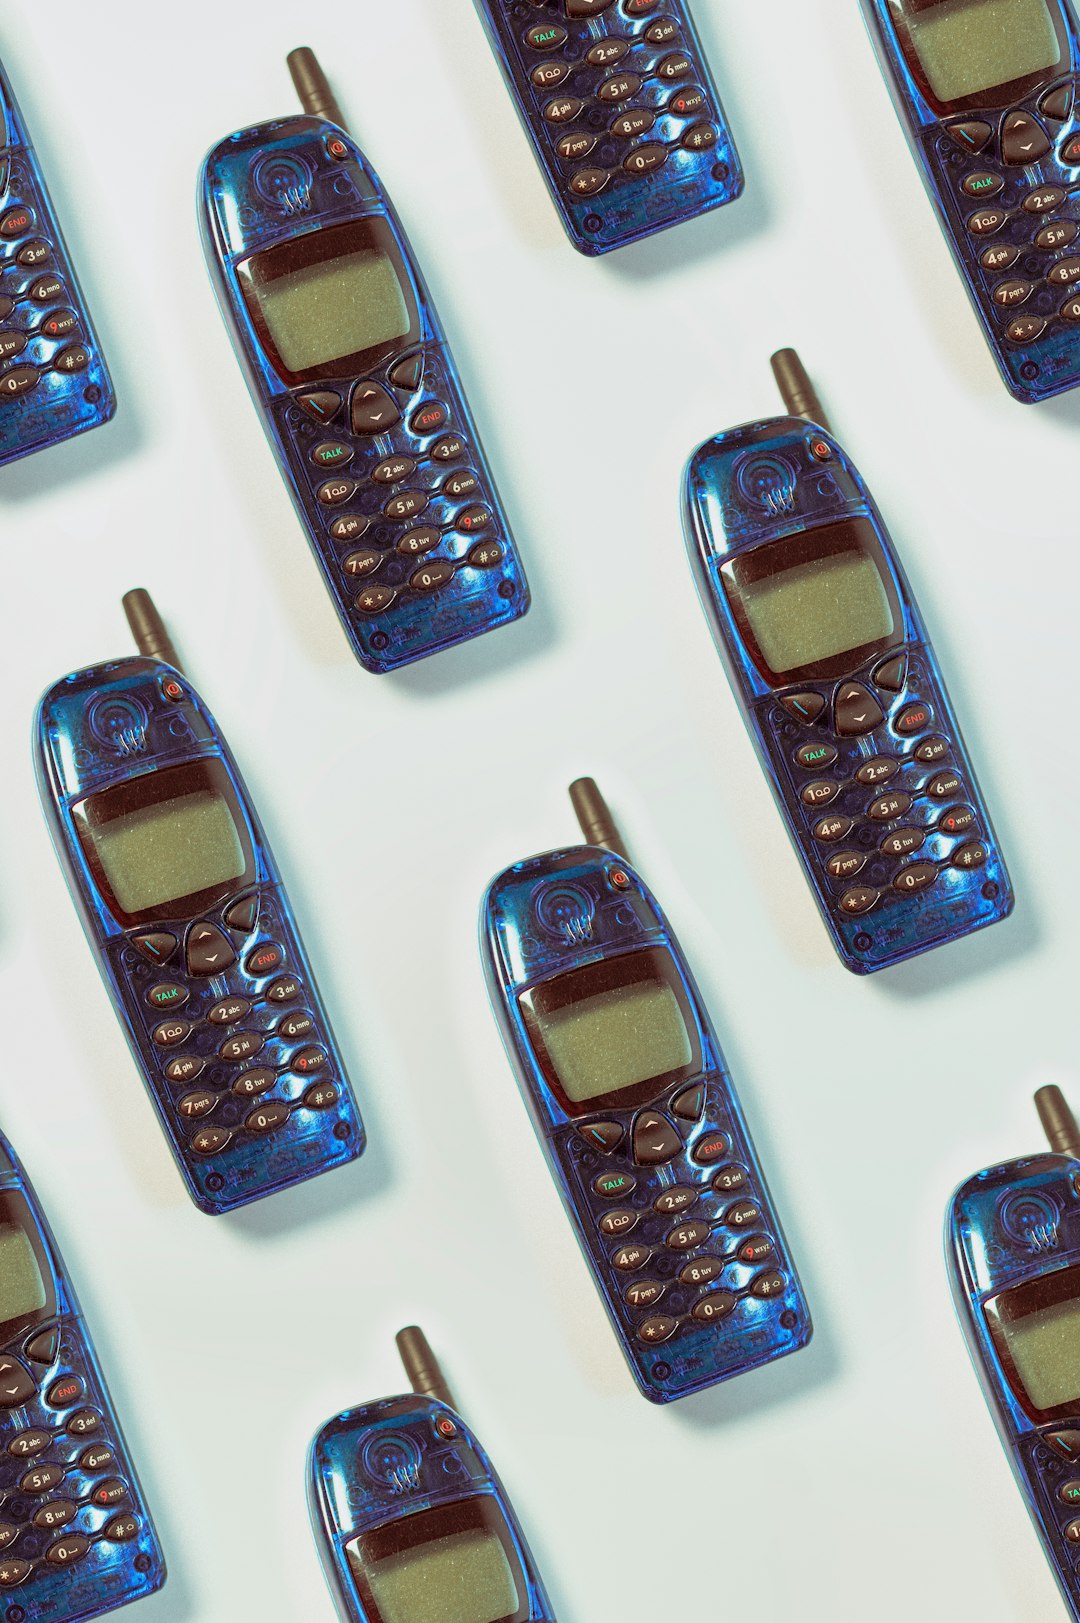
[
  {"x": 156, "y": 788},
  {"x": 589, "y": 980},
  {"x": 789, "y": 552},
  {"x": 478, "y": 1512},
  {"x": 16, "y": 1211},
  {"x": 994, "y": 98},
  {"x": 1034, "y": 1296},
  {"x": 316, "y": 248}
]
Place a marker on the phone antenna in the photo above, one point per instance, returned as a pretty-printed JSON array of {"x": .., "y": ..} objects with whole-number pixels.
[
  {"x": 313, "y": 87},
  {"x": 148, "y": 628},
  {"x": 794, "y": 384},
  {"x": 1059, "y": 1123},
  {"x": 597, "y": 823},
  {"x": 422, "y": 1367}
]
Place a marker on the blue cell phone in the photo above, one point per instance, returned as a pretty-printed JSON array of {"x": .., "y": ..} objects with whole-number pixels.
[
  {"x": 839, "y": 687},
  {"x": 53, "y": 379},
  {"x": 631, "y": 1099},
  {"x": 409, "y": 1517},
  {"x": 620, "y": 106},
  {"x": 76, "y": 1539},
  {"x": 1012, "y": 1245},
  {"x": 356, "y": 386},
  {"x": 985, "y": 90},
  {"x": 191, "y": 926}
]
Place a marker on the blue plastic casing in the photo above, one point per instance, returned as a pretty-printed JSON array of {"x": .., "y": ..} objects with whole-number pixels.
[
  {"x": 996, "y": 214},
  {"x": 375, "y": 1467},
  {"x": 76, "y": 1537},
  {"x": 404, "y": 520},
  {"x": 1018, "y": 1225},
  {"x": 724, "y": 1247},
  {"x": 782, "y": 479},
  {"x": 53, "y": 381},
  {"x": 622, "y": 112},
  {"x": 244, "y": 1073}
]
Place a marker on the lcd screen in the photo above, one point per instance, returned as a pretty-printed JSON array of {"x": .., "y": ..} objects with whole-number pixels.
[
  {"x": 1045, "y": 1349},
  {"x": 619, "y": 1030},
  {"x": 968, "y": 47},
  {"x": 166, "y": 843},
  {"x": 169, "y": 851},
  {"x": 463, "y": 1577},
  {"x": 334, "y": 309},
  {"x": 22, "y": 1288},
  {"x": 818, "y": 603}
]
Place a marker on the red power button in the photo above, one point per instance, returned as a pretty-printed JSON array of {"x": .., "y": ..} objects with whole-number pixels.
[{"x": 172, "y": 689}]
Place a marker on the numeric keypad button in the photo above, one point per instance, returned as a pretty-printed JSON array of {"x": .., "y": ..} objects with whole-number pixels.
[
  {"x": 393, "y": 469},
  {"x": 59, "y": 324},
  {"x": 686, "y": 102},
  {"x": 171, "y": 1032},
  {"x": 916, "y": 876},
  {"x": 241, "y": 1047},
  {"x": 972, "y": 855},
  {"x": 563, "y": 109},
  {"x": 550, "y": 75},
  {"x": 250, "y": 1084},
  {"x": 295, "y": 1026},
  {"x": 830, "y": 829},
  {"x": 83, "y": 1423},
  {"x": 756, "y": 1249},
  {"x": 887, "y": 808},
  {"x": 768, "y": 1285},
  {"x": 449, "y": 448},
  {"x": 211, "y": 1141},
  {"x": 1025, "y": 329},
  {"x": 120, "y": 1530},
  {"x": 430, "y": 577},
  {"x": 675, "y": 1200},
  {"x": 716, "y": 1305},
  {"x": 860, "y": 899},
  {"x": 1070, "y": 311},
  {"x": 320, "y": 1096},
  {"x": 32, "y": 254},
  {"x": 743, "y": 1214},
  {"x": 903, "y": 841},
  {"x": 42, "y": 1479},
  {"x": 932, "y": 750},
  {"x": 589, "y": 182},
  {"x": 944, "y": 785},
  {"x": 1065, "y": 272},
  {"x": 14, "y": 1572},
  {"x": 877, "y": 771},
  {"x": 349, "y": 527},
  {"x": 335, "y": 491},
  {"x": 819, "y": 793},
  {"x": 688, "y": 1236},
  {"x": 97, "y": 1458},
  {"x": 415, "y": 542},
  {"x": 8, "y": 1534},
  {"x": 1059, "y": 235},
  {"x": 56, "y": 1513},
  {"x": 265, "y": 1118},
  {"x": 406, "y": 504},
  {"x": 66, "y": 1551},
  {"x": 845, "y": 864},
  {"x": 984, "y": 222},
  {"x": 629, "y": 1258},
  {"x": 662, "y": 32},
  {"x": 675, "y": 66},
  {"x": 185, "y": 1068},
  {"x": 228, "y": 1010},
  {"x": 1000, "y": 257},
  {"x": 194, "y": 1106},
  {"x": 645, "y": 159},
  {"x": 644, "y": 1293},
  {"x": 1009, "y": 294},
  {"x": 607, "y": 52},
  {"x": 615, "y": 1224},
  {"x": 25, "y": 1445},
  {"x": 702, "y": 1271},
  {"x": 637, "y": 122},
  {"x": 575, "y": 147},
  {"x": 284, "y": 989},
  {"x": 620, "y": 87},
  {"x": 1044, "y": 200},
  {"x": 957, "y": 820},
  {"x": 658, "y": 1329},
  {"x": 729, "y": 1180}
]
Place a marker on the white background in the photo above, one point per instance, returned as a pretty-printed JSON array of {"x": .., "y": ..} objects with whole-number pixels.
[{"x": 862, "y": 1478}]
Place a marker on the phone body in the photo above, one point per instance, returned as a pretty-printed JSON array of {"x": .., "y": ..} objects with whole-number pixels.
[
  {"x": 192, "y": 929},
  {"x": 1012, "y": 1244},
  {"x": 411, "y": 1520},
  {"x": 630, "y": 1096},
  {"x": 986, "y": 95},
  {"x": 841, "y": 692},
  {"x": 621, "y": 109},
  {"x": 358, "y": 392},
  {"x": 53, "y": 379},
  {"x": 76, "y": 1539}
]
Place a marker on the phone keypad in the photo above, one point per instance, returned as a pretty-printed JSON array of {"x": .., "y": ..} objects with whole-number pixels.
[
  {"x": 61, "y": 1494},
  {"x": 699, "y": 1241},
  {"x": 1020, "y": 219},
  {"x": 243, "y": 1061},
  {"x": 404, "y": 524},
  {"x": 894, "y": 790},
  {"x": 40, "y": 329},
  {"x": 597, "y": 140}
]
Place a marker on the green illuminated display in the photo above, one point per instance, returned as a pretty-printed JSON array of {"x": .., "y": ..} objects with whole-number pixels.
[
  {"x": 339, "y": 307},
  {"x": 615, "y": 1039},
  {"x": 463, "y": 1577},
  {"x": 966, "y": 47},
  {"x": 22, "y": 1289},
  {"x": 169, "y": 850},
  {"x": 1045, "y": 1348},
  {"x": 817, "y": 610}
]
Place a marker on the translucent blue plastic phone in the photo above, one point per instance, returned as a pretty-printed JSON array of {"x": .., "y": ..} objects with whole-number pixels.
[
  {"x": 832, "y": 667},
  {"x": 412, "y": 1524},
  {"x": 356, "y": 386},
  {"x": 76, "y": 1539},
  {"x": 1012, "y": 1246},
  {"x": 622, "y": 112},
  {"x": 631, "y": 1099},
  {"x": 192, "y": 929},
  {"x": 986, "y": 92},
  {"x": 53, "y": 381}
]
